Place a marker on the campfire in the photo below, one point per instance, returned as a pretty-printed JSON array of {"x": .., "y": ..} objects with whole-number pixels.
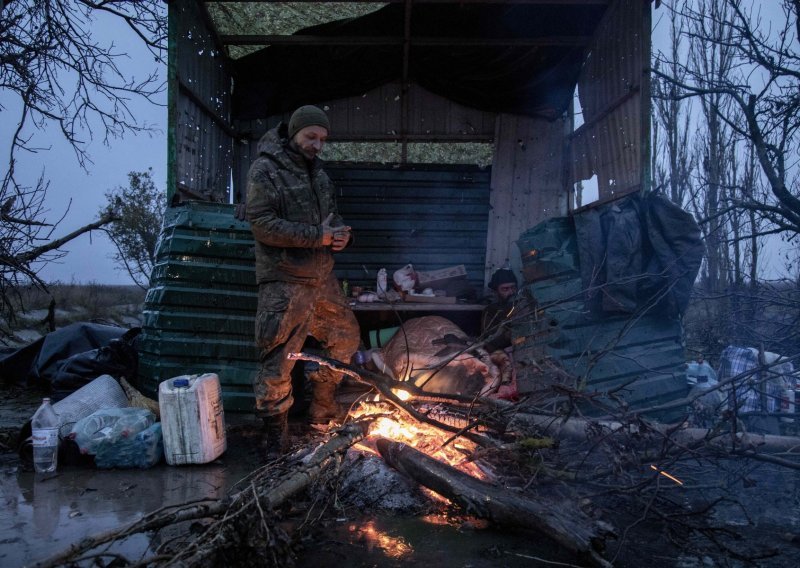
[
  {"x": 435, "y": 439},
  {"x": 511, "y": 464},
  {"x": 389, "y": 424}
]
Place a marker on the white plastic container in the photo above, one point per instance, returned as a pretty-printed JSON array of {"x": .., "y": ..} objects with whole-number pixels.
[{"x": 192, "y": 419}]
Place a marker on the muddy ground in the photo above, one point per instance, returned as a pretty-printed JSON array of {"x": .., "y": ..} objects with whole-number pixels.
[
  {"x": 377, "y": 517},
  {"x": 42, "y": 515}
]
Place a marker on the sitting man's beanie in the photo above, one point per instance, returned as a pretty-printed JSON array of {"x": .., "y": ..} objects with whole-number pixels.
[
  {"x": 308, "y": 115},
  {"x": 502, "y": 276}
]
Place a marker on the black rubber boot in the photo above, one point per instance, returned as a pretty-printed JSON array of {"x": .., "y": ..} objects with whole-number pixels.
[
  {"x": 276, "y": 435},
  {"x": 324, "y": 407}
]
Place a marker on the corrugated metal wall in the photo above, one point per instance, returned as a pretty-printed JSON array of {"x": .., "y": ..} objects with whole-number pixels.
[
  {"x": 376, "y": 116},
  {"x": 199, "y": 313},
  {"x": 200, "y": 86},
  {"x": 432, "y": 218},
  {"x": 613, "y": 88},
  {"x": 640, "y": 356}
]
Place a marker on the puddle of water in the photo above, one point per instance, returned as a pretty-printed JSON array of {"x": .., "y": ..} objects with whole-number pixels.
[
  {"x": 431, "y": 541},
  {"x": 41, "y": 517}
]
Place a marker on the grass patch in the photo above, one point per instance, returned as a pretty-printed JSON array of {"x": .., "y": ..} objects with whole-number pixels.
[{"x": 61, "y": 304}]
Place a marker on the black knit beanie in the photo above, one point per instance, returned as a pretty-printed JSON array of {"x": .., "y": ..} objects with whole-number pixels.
[
  {"x": 502, "y": 276},
  {"x": 307, "y": 115}
]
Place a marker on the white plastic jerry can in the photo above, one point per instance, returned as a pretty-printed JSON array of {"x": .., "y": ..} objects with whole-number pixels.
[{"x": 192, "y": 419}]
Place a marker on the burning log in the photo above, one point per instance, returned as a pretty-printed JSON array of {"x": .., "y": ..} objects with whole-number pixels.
[{"x": 565, "y": 524}]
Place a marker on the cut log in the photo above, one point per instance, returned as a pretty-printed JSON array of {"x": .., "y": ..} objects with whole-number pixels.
[
  {"x": 562, "y": 521},
  {"x": 581, "y": 429}
]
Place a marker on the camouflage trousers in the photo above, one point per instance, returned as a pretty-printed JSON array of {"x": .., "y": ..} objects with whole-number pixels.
[{"x": 287, "y": 314}]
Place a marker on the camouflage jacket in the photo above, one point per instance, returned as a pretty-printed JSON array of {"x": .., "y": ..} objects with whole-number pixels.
[{"x": 287, "y": 200}]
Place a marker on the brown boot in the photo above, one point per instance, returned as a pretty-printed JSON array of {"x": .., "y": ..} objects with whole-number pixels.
[
  {"x": 276, "y": 435},
  {"x": 324, "y": 407}
]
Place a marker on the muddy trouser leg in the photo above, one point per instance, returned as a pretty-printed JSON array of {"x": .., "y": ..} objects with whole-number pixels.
[
  {"x": 336, "y": 328},
  {"x": 282, "y": 325}
]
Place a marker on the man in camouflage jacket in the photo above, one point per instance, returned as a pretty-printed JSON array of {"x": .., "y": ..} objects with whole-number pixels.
[{"x": 293, "y": 216}]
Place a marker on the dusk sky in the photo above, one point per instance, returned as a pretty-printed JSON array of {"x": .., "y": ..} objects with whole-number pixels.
[{"x": 89, "y": 256}]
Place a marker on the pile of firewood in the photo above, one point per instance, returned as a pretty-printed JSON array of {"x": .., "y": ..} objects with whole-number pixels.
[{"x": 534, "y": 446}]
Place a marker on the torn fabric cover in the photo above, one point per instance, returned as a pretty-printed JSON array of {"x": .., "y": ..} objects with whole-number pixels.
[
  {"x": 66, "y": 359},
  {"x": 523, "y": 79},
  {"x": 638, "y": 253}
]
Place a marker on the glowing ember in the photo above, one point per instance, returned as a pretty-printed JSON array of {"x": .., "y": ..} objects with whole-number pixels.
[
  {"x": 436, "y": 520},
  {"x": 402, "y": 394},
  {"x": 667, "y": 475}
]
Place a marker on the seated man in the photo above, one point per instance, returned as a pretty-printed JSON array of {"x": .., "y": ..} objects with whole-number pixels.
[{"x": 504, "y": 285}]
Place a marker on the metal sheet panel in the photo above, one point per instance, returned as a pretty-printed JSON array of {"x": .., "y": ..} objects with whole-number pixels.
[
  {"x": 641, "y": 356},
  {"x": 431, "y": 218},
  {"x": 202, "y": 91},
  {"x": 614, "y": 92},
  {"x": 527, "y": 182},
  {"x": 199, "y": 313}
]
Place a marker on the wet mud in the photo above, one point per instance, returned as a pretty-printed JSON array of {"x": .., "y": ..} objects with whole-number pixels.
[{"x": 43, "y": 515}]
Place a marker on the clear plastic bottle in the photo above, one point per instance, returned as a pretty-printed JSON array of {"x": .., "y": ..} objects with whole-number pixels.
[
  {"x": 380, "y": 285},
  {"x": 44, "y": 426}
]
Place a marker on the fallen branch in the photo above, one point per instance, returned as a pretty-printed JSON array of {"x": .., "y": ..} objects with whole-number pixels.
[
  {"x": 262, "y": 491},
  {"x": 579, "y": 429},
  {"x": 385, "y": 385},
  {"x": 562, "y": 522}
]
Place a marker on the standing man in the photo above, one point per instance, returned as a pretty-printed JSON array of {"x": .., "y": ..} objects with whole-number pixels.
[{"x": 292, "y": 213}]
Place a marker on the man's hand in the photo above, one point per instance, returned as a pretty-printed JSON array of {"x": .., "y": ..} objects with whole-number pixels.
[
  {"x": 340, "y": 238},
  {"x": 327, "y": 230},
  {"x": 335, "y": 237}
]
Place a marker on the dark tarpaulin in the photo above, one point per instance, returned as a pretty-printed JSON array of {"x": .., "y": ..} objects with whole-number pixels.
[
  {"x": 638, "y": 253},
  {"x": 66, "y": 359},
  {"x": 534, "y": 81}
]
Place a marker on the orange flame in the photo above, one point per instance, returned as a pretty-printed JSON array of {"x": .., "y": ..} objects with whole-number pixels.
[{"x": 421, "y": 436}]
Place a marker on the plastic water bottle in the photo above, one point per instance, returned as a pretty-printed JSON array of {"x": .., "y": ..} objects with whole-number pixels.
[
  {"x": 44, "y": 426},
  {"x": 380, "y": 285}
]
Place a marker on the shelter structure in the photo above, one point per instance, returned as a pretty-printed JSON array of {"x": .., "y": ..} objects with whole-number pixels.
[{"x": 456, "y": 126}]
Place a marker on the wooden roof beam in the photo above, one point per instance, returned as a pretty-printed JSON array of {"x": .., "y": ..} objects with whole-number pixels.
[
  {"x": 398, "y": 40},
  {"x": 533, "y": 2}
]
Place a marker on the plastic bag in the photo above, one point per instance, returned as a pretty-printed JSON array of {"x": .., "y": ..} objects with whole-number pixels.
[
  {"x": 144, "y": 450},
  {"x": 109, "y": 426},
  {"x": 405, "y": 278},
  {"x": 118, "y": 358}
]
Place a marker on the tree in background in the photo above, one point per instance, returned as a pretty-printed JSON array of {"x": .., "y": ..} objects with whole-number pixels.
[
  {"x": 138, "y": 211},
  {"x": 743, "y": 70},
  {"x": 57, "y": 75},
  {"x": 673, "y": 160}
]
